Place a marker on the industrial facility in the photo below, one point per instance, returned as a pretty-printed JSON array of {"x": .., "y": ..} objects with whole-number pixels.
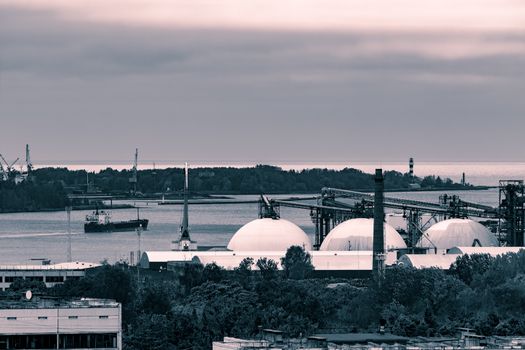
[
  {"x": 40, "y": 323},
  {"x": 50, "y": 274},
  {"x": 351, "y": 234}
]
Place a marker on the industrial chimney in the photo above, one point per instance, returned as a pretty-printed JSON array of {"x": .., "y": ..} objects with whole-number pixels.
[{"x": 379, "y": 216}]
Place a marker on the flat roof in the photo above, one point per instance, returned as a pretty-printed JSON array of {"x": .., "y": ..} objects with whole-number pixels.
[
  {"x": 52, "y": 303},
  {"x": 363, "y": 338},
  {"x": 493, "y": 251},
  {"x": 76, "y": 265}
]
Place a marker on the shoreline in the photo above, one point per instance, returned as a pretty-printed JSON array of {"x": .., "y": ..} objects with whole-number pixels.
[{"x": 223, "y": 198}]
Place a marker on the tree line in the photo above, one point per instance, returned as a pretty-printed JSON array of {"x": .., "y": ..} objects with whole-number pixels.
[
  {"x": 200, "y": 304},
  {"x": 229, "y": 180},
  {"x": 32, "y": 196},
  {"x": 47, "y": 188}
]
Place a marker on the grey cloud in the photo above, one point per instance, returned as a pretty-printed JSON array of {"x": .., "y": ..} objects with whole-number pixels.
[{"x": 221, "y": 95}]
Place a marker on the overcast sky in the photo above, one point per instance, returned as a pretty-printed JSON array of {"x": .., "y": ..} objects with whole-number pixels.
[{"x": 263, "y": 80}]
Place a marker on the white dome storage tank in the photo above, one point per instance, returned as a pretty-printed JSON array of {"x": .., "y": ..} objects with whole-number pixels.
[
  {"x": 357, "y": 234},
  {"x": 269, "y": 235},
  {"x": 457, "y": 233}
]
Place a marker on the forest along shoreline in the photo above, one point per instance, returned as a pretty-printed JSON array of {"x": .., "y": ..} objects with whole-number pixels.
[{"x": 52, "y": 189}]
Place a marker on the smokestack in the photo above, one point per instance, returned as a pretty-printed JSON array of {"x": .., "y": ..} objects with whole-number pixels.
[
  {"x": 185, "y": 234},
  {"x": 411, "y": 168},
  {"x": 379, "y": 216}
]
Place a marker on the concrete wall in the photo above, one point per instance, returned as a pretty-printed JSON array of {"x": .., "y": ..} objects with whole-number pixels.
[
  {"x": 65, "y": 320},
  {"x": 43, "y": 274}
]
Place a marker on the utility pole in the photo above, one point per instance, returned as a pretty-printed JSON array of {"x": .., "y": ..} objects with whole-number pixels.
[
  {"x": 69, "y": 255},
  {"x": 139, "y": 232},
  {"x": 58, "y": 324}
]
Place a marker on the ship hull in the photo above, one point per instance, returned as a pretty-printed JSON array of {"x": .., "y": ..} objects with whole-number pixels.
[{"x": 130, "y": 225}]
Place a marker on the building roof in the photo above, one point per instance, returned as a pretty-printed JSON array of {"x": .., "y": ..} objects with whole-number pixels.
[
  {"x": 321, "y": 260},
  {"x": 493, "y": 251},
  {"x": 269, "y": 235},
  {"x": 457, "y": 232},
  {"x": 77, "y": 265},
  {"x": 363, "y": 338},
  {"x": 425, "y": 261},
  {"x": 51, "y": 303},
  {"x": 356, "y": 235}
]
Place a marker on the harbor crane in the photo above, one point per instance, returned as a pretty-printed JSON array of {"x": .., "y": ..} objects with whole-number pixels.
[
  {"x": 8, "y": 171},
  {"x": 3, "y": 173}
]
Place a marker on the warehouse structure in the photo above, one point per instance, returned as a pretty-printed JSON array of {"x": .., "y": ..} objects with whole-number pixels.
[
  {"x": 51, "y": 274},
  {"x": 60, "y": 324},
  {"x": 347, "y": 239},
  {"x": 444, "y": 261},
  {"x": 456, "y": 232}
]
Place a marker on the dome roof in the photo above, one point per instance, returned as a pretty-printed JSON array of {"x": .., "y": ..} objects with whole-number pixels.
[
  {"x": 356, "y": 234},
  {"x": 457, "y": 233},
  {"x": 269, "y": 235}
]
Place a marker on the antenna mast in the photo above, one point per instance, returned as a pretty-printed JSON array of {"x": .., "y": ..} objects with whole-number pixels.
[{"x": 69, "y": 255}]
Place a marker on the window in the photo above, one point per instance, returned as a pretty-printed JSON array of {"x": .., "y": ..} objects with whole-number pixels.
[
  {"x": 92, "y": 341},
  {"x": 35, "y": 278},
  {"x": 67, "y": 341},
  {"x": 54, "y": 279},
  {"x": 11, "y": 279},
  {"x": 103, "y": 317},
  {"x": 73, "y": 317},
  {"x": 42, "y": 317},
  {"x": 11, "y": 318}
]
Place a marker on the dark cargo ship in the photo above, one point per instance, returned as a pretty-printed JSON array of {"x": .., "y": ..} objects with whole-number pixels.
[{"x": 100, "y": 221}]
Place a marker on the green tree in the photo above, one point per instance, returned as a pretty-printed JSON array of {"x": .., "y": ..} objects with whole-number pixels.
[
  {"x": 267, "y": 268},
  {"x": 151, "y": 332},
  {"x": 23, "y": 285},
  {"x": 297, "y": 263},
  {"x": 213, "y": 273},
  {"x": 467, "y": 266},
  {"x": 243, "y": 273}
]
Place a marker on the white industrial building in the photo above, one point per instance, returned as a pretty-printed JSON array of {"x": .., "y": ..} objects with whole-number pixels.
[
  {"x": 449, "y": 239},
  {"x": 456, "y": 233},
  {"x": 322, "y": 261},
  {"x": 357, "y": 235},
  {"x": 425, "y": 261},
  {"x": 348, "y": 247},
  {"x": 492, "y": 251},
  {"x": 51, "y": 274},
  {"x": 444, "y": 261},
  {"x": 269, "y": 235},
  {"x": 78, "y": 324}
]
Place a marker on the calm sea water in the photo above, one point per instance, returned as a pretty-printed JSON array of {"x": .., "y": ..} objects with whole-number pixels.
[{"x": 44, "y": 235}]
